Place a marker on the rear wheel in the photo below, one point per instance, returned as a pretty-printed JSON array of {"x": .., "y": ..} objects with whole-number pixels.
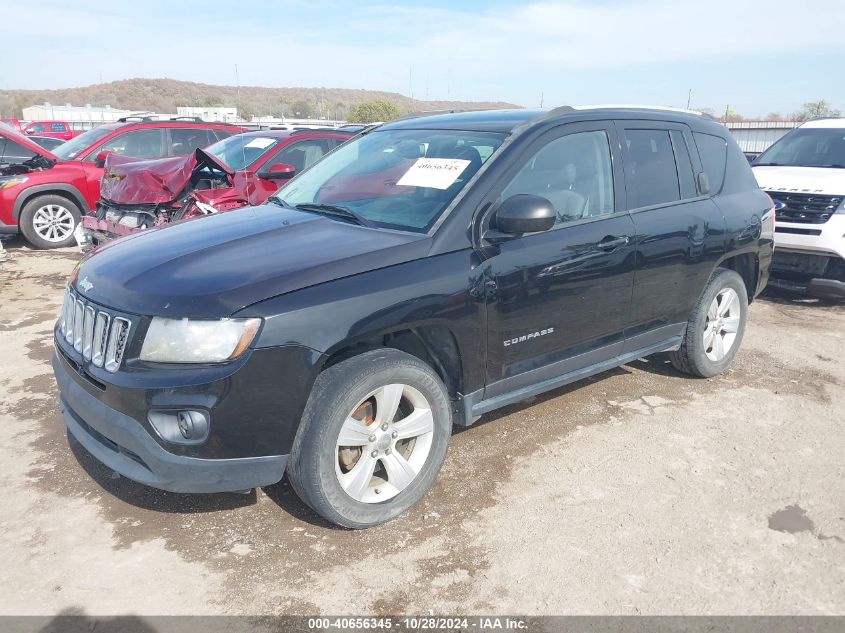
[
  {"x": 715, "y": 328},
  {"x": 49, "y": 221},
  {"x": 372, "y": 439}
]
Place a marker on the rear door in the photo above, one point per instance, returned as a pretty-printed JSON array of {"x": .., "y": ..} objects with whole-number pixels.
[
  {"x": 185, "y": 140},
  {"x": 559, "y": 301},
  {"x": 680, "y": 233}
]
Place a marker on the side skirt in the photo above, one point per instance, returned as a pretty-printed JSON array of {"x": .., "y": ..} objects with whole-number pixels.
[{"x": 475, "y": 405}]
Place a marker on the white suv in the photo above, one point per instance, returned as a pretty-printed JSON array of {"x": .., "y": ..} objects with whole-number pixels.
[{"x": 804, "y": 173}]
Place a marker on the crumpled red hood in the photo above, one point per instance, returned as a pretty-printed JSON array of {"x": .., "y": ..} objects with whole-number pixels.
[{"x": 137, "y": 181}]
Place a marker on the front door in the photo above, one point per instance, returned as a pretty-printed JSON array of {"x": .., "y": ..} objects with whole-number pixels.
[{"x": 559, "y": 300}]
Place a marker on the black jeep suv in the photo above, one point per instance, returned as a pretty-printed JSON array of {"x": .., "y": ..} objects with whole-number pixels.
[{"x": 420, "y": 275}]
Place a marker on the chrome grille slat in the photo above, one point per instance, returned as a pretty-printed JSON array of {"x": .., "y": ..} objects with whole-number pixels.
[
  {"x": 97, "y": 335},
  {"x": 117, "y": 343},
  {"x": 101, "y": 335},
  {"x": 71, "y": 310},
  {"x": 78, "y": 320},
  {"x": 88, "y": 332}
]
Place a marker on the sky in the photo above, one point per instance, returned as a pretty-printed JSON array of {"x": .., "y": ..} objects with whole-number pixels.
[{"x": 756, "y": 57}]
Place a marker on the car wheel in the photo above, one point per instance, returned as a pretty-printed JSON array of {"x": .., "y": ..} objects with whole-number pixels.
[
  {"x": 372, "y": 438},
  {"x": 49, "y": 221},
  {"x": 715, "y": 328}
]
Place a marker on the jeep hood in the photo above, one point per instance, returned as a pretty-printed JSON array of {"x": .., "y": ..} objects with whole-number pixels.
[
  {"x": 825, "y": 180},
  {"x": 212, "y": 267},
  {"x": 137, "y": 181}
]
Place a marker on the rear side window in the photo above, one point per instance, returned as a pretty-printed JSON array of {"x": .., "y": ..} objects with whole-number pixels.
[
  {"x": 652, "y": 166},
  {"x": 714, "y": 152},
  {"x": 57, "y": 127},
  {"x": 186, "y": 140}
]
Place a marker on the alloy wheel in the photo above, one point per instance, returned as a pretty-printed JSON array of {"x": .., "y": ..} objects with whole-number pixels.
[
  {"x": 721, "y": 324},
  {"x": 53, "y": 223},
  {"x": 384, "y": 443}
]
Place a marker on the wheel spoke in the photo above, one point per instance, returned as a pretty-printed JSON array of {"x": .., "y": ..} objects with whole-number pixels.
[
  {"x": 357, "y": 480},
  {"x": 400, "y": 473},
  {"x": 730, "y": 324},
  {"x": 353, "y": 433},
  {"x": 708, "y": 339},
  {"x": 418, "y": 423},
  {"x": 718, "y": 346},
  {"x": 387, "y": 402},
  {"x": 728, "y": 298}
]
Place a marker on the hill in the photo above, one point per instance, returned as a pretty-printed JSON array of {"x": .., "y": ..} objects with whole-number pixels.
[{"x": 163, "y": 95}]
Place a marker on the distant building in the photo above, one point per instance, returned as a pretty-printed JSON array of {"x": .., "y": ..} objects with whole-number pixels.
[
  {"x": 758, "y": 136},
  {"x": 84, "y": 114},
  {"x": 209, "y": 113}
]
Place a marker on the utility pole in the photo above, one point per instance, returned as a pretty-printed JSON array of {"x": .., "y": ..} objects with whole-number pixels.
[
  {"x": 238, "y": 90},
  {"x": 689, "y": 98}
]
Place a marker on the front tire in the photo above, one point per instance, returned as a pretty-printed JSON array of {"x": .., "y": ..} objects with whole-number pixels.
[
  {"x": 715, "y": 328},
  {"x": 49, "y": 221},
  {"x": 372, "y": 439}
]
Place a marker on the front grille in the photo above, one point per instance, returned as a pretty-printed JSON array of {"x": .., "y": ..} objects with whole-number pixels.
[
  {"x": 97, "y": 335},
  {"x": 805, "y": 208}
]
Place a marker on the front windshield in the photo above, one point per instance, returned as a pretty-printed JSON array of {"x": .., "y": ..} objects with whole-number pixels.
[
  {"x": 395, "y": 178},
  {"x": 241, "y": 151},
  {"x": 807, "y": 147},
  {"x": 78, "y": 144}
]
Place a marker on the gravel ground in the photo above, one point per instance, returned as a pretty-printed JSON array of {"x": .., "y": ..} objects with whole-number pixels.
[{"x": 639, "y": 491}]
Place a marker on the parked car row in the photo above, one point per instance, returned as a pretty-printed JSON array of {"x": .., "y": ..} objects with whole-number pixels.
[
  {"x": 238, "y": 171},
  {"x": 45, "y": 196}
]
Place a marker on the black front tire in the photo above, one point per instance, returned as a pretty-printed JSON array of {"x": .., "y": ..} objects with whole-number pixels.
[
  {"x": 337, "y": 390},
  {"x": 692, "y": 357}
]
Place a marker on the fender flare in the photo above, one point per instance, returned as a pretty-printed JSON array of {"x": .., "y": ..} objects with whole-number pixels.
[{"x": 59, "y": 188}]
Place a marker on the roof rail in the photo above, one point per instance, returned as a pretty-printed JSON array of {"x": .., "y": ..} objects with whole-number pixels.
[
  {"x": 633, "y": 106},
  {"x": 132, "y": 117},
  {"x": 422, "y": 113}
]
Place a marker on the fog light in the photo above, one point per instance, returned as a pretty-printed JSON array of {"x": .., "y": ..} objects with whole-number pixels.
[{"x": 187, "y": 426}]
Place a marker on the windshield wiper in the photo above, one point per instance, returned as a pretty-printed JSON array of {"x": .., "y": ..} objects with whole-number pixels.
[
  {"x": 277, "y": 200},
  {"x": 336, "y": 211}
]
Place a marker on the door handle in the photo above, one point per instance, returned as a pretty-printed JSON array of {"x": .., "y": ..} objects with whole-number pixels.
[{"x": 611, "y": 242}]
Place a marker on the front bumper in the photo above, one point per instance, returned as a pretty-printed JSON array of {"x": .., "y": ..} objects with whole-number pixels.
[{"x": 122, "y": 444}]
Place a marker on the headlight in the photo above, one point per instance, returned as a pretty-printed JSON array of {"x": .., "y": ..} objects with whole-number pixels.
[
  {"x": 11, "y": 182},
  {"x": 190, "y": 341}
]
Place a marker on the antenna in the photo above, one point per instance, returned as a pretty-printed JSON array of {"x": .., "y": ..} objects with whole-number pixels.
[{"x": 689, "y": 98}]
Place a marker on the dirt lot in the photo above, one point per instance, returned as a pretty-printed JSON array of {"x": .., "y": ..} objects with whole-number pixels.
[{"x": 638, "y": 491}]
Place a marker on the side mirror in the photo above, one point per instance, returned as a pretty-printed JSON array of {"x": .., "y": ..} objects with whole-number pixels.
[
  {"x": 101, "y": 157},
  {"x": 525, "y": 213},
  {"x": 29, "y": 132},
  {"x": 279, "y": 171}
]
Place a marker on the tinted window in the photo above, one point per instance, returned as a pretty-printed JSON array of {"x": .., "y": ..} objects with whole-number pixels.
[
  {"x": 684, "y": 164},
  {"x": 301, "y": 154},
  {"x": 573, "y": 173},
  {"x": 654, "y": 175},
  {"x": 57, "y": 127},
  {"x": 137, "y": 144},
  {"x": 713, "y": 151},
  {"x": 186, "y": 140},
  {"x": 221, "y": 134}
]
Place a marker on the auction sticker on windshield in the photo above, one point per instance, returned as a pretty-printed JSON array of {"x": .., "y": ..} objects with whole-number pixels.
[
  {"x": 260, "y": 143},
  {"x": 437, "y": 173}
]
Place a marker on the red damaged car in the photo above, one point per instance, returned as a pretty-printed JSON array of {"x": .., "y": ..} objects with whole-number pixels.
[{"x": 239, "y": 171}]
